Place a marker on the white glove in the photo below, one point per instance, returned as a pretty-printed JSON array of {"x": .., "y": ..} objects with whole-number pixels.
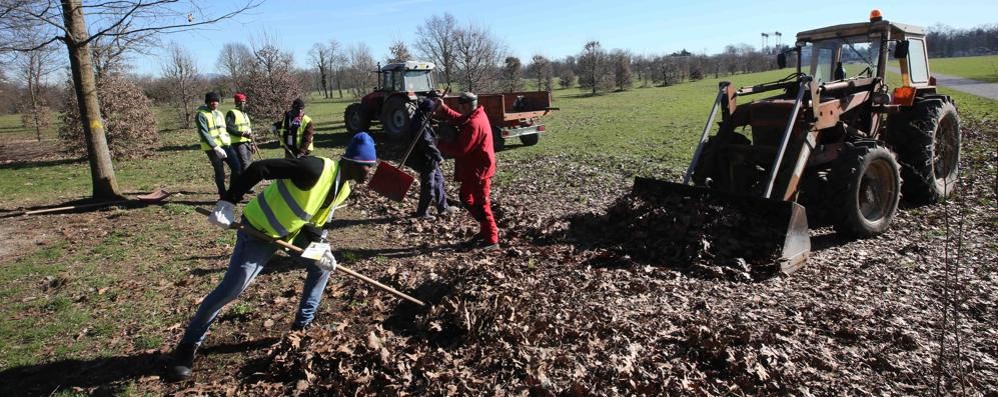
[
  {"x": 220, "y": 152},
  {"x": 327, "y": 262},
  {"x": 273, "y": 129},
  {"x": 222, "y": 216}
]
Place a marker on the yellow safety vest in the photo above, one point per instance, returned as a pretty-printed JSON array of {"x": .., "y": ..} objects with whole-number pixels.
[
  {"x": 215, "y": 130},
  {"x": 300, "y": 133},
  {"x": 242, "y": 125},
  {"x": 282, "y": 209}
]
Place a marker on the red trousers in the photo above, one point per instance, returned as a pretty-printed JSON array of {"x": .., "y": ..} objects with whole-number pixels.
[{"x": 475, "y": 197}]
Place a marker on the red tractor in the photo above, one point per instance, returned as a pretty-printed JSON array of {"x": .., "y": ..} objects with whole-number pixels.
[
  {"x": 393, "y": 104},
  {"x": 403, "y": 84}
]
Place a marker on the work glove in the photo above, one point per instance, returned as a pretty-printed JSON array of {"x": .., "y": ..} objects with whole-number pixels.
[
  {"x": 273, "y": 129},
  {"x": 327, "y": 262},
  {"x": 222, "y": 215},
  {"x": 248, "y": 135},
  {"x": 220, "y": 152}
]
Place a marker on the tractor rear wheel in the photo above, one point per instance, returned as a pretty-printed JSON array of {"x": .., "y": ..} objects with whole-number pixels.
[
  {"x": 927, "y": 141},
  {"x": 868, "y": 185},
  {"x": 530, "y": 140},
  {"x": 355, "y": 119},
  {"x": 395, "y": 116}
]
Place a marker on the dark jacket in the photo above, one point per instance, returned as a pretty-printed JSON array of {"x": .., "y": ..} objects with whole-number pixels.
[{"x": 425, "y": 156}]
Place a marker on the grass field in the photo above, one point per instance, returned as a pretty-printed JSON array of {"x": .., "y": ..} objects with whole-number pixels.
[
  {"x": 656, "y": 125},
  {"x": 983, "y": 68},
  {"x": 74, "y": 290}
]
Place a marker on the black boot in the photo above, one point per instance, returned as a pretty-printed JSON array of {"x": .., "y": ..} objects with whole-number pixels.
[{"x": 183, "y": 361}]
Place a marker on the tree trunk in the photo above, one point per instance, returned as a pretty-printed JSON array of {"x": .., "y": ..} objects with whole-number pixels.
[
  {"x": 339, "y": 82},
  {"x": 32, "y": 87},
  {"x": 105, "y": 187}
]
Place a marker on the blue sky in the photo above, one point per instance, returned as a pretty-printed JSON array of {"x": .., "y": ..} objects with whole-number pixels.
[{"x": 555, "y": 28}]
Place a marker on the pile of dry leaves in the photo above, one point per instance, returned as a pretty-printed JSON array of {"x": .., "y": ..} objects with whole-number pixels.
[{"x": 540, "y": 318}]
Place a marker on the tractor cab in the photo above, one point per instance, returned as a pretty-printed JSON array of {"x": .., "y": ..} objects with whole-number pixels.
[
  {"x": 856, "y": 52},
  {"x": 408, "y": 76}
]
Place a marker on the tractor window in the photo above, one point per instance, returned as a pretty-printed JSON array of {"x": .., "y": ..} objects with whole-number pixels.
[
  {"x": 418, "y": 81},
  {"x": 860, "y": 59},
  {"x": 823, "y": 65},
  {"x": 917, "y": 65},
  {"x": 388, "y": 82}
]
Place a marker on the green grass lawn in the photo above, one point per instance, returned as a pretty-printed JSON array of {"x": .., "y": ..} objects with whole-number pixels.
[{"x": 982, "y": 68}]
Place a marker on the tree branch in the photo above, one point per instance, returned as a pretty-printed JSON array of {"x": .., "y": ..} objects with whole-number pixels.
[{"x": 177, "y": 28}]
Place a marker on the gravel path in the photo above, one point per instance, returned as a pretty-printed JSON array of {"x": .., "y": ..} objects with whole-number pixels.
[{"x": 981, "y": 89}]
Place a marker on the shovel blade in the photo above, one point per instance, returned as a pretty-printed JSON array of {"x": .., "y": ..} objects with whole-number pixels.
[
  {"x": 390, "y": 181},
  {"x": 782, "y": 222}
]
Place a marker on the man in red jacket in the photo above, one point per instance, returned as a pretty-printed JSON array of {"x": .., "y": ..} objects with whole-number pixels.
[{"x": 474, "y": 163}]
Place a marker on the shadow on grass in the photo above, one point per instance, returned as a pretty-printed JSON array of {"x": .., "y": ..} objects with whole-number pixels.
[
  {"x": 107, "y": 374},
  {"x": 20, "y": 165},
  {"x": 178, "y": 148}
]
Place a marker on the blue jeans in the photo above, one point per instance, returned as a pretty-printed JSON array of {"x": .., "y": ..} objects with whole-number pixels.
[
  {"x": 231, "y": 158},
  {"x": 248, "y": 259},
  {"x": 431, "y": 191}
]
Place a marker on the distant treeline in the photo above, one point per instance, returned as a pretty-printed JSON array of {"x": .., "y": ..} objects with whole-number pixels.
[{"x": 945, "y": 41}]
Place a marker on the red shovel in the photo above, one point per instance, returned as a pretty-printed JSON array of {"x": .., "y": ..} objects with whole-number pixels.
[{"x": 391, "y": 181}]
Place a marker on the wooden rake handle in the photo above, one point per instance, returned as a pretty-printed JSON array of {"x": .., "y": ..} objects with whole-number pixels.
[{"x": 256, "y": 233}]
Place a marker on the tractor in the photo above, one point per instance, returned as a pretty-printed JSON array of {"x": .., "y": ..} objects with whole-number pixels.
[
  {"x": 402, "y": 84},
  {"x": 832, "y": 143},
  {"x": 512, "y": 115}
]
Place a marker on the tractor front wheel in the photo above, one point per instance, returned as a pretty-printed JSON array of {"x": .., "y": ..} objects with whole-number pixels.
[
  {"x": 395, "y": 116},
  {"x": 355, "y": 119},
  {"x": 868, "y": 183}
]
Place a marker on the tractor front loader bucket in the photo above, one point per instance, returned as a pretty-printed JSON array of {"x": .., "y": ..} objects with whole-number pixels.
[{"x": 761, "y": 231}]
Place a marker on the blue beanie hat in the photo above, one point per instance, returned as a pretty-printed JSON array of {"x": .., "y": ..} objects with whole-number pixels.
[{"x": 361, "y": 150}]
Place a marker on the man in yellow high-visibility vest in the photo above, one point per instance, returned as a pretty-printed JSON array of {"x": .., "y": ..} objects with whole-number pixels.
[
  {"x": 295, "y": 207},
  {"x": 296, "y": 131},
  {"x": 215, "y": 141},
  {"x": 237, "y": 124}
]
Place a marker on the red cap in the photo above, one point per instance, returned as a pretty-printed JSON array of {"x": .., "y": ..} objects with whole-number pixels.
[{"x": 239, "y": 97}]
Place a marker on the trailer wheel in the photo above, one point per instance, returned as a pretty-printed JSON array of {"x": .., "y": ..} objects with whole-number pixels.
[
  {"x": 498, "y": 142},
  {"x": 356, "y": 119},
  {"x": 927, "y": 141},
  {"x": 395, "y": 116},
  {"x": 530, "y": 140},
  {"x": 868, "y": 183}
]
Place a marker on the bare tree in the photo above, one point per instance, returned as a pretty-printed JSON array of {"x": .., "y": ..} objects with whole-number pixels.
[
  {"x": 235, "y": 62},
  {"x": 184, "y": 83},
  {"x": 321, "y": 58},
  {"x": 8, "y": 95},
  {"x": 594, "y": 68},
  {"x": 131, "y": 127},
  {"x": 273, "y": 81},
  {"x": 436, "y": 40},
  {"x": 542, "y": 70},
  {"x": 398, "y": 52},
  {"x": 35, "y": 66},
  {"x": 477, "y": 57},
  {"x": 511, "y": 80},
  {"x": 360, "y": 64},
  {"x": 337, "y": 62},
  {"x": 622, "y": 78},
  {"x": 567, "y": 78},
  {"x": 64, "y": 22}
]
